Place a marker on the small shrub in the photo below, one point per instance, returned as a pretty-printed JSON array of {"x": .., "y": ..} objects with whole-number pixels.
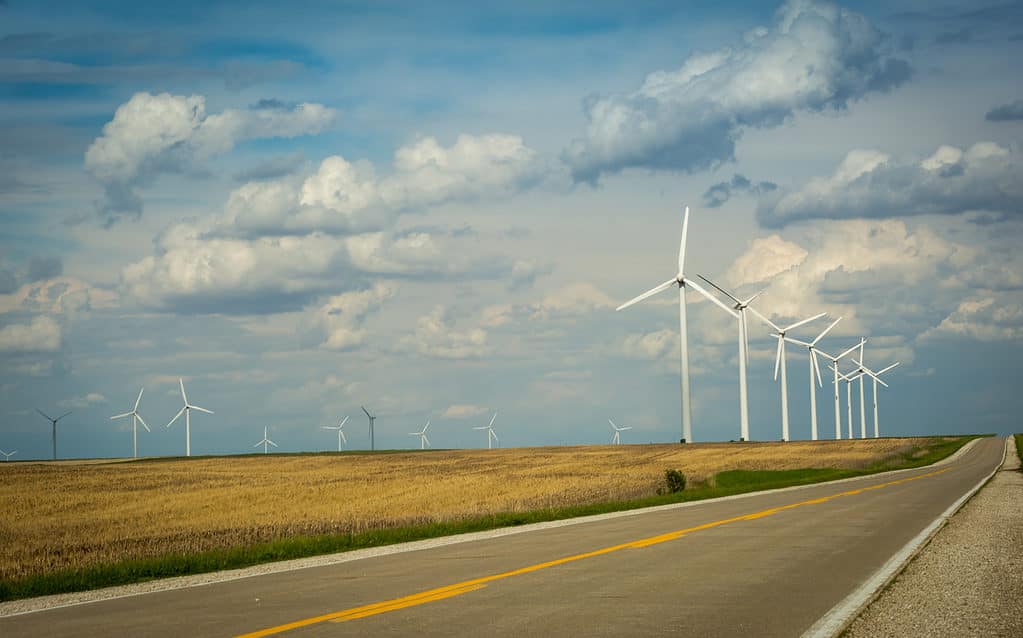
[{"x": 675, "y": 480}]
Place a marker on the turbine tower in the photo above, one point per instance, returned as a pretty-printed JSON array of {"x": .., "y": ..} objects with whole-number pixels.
[
  {"x": 340, "y": 431},
  {"x": 875, "y": 376},
  {"x": 682, "y": 282},
  {"x": 815, "y": 370},
  {"x": 491, "y": 435},
  {"x": 136, "y": 418},
  {"x": 423, "y": 441},
  {"x": 265, "y": 441},
  {"x": 54, "y": 422},
  {"x": 617, "y": 439},
  {"x": 8, "y": 455},
  {"x": 779, "y": 361},
  {"x": 876, "y": 381},
  {"x": 372, "y": 420},
  {"x": 188, "y": 422}
]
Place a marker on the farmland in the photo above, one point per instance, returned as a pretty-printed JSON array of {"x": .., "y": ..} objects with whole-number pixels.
[{"x": 72, "y": 516}]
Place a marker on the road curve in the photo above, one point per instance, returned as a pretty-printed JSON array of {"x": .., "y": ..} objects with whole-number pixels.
[{"x": 770, "y": 564}]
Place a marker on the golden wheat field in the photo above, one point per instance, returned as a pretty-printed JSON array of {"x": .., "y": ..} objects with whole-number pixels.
[{"x": 68, "y": 515}]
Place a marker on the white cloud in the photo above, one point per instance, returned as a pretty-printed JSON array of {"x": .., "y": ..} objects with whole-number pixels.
[
  {"x": 435, "y": 336},
  {"x": 41, "y": 334},
  {"x": 60, "y": 295},
  {"x": 984, "y": 177},
  {"x": 816, "y": 56},
  {"x": 983, "y": 319},
  {"x": 92, "y": 398},
  {"x": 651, "y": 345},
  {"x": 151, "y": 134},
  {"x": 463, "y": 411},
  {"x": 338, "y": 322},
  {"x": 571, "y": 300}
]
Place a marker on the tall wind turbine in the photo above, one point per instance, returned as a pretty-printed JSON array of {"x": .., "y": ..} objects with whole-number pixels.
[
  {"x": 739, "y": 311},
  {"x": 876, "y": 381},
  {"x": 54, "y": 422},
  {"x": 188, "y": 422},
  {"x": 265, "y": 441},
  {"x": 372, "y": 420},
  {"x": 491, "y": 435},
  {"x": 136, "y": 418},
  {"x": 423, "y": 441},
  {"x": 682, "y": 282},
  {"x": 8, "y": 455},
  {"x": 340, "y": 431},
  {"x": 815, "y": 371},
  {"x": 834, "y": 367},
  {"x": 779, "y": 361},
  {"x": 617, "y": 438}
]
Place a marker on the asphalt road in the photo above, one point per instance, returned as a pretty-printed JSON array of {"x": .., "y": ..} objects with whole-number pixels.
[{"x": 765, "y": 565}]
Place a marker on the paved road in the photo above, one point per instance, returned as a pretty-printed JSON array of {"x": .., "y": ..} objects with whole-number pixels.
[{"x": 765, "y": 565}]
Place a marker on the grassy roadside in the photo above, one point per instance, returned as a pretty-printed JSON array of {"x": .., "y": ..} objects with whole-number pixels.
[
  {"x": 724, "y": 484},
  {"x": 1019, "y": 449}
]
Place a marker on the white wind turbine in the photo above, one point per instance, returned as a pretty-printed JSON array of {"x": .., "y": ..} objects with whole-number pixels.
[
  {"x": 423, "y": 441},
  {"x": 188, "y": 423},
  {"x": 815, "y": 371},
  {"x": 372, "y": 421},
  {"x": 617, "y": 438},
  {"x": 265, "y": 441},
  {"x": 136, "y": 418},
  {"x": 859, "y": 373},
  {"x": 682, "y": 282},
  {"x": 54, "y": 422},
  {"x": 875, "y": 377},
  {"x": 340, "y": 431},
  {"x": 779, "y": 361},
  {"x": 8, "y": 455},
  {"x": 834, "y": 367},
  {"x": 491, "y": 435}
]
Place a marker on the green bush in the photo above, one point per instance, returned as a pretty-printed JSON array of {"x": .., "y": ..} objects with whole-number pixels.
[{"x": 676, "y": 481}]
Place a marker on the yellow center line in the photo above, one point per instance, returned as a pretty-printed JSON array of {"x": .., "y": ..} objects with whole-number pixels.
[{"x": 467, "y": 586}]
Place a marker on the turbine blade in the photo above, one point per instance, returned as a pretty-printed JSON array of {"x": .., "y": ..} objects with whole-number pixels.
[
  {"x": 272, "y": 443},
  {"x": 721, "y": 290},
  {"x": 426, "y": 426},
  {"x": 45, "y": 416},
  {"x": 120, "y": 416},
  {"x": 182, "y": 383},
  {"x": 612, "y": 424},
  {"x": 711, "y": 297},
  {"x": 798, "y": 342},
  {"x": 846, "y": 353},
  {"x": 342, "y": 424},
  {"x": 258, "y": 444},
  {"x": 816, "y": 367},
  {"x": 888, "y": 368},
  {"x": 63, "y": 415},
  {"x": 195, "y": 407},
  {"x": 366, "y": 411},
  {"x": 176, "y": 417},
  {"x": 136, "y": 408},
  {"x": 805, "y": 321},
  {"x": 682, "y": 244},
  {"x": 826, "y": 331},
  {"x": 627, "y": 427},
  {"x": 764, "y": 319},
  {"x": 482, "y": 427},
  {"x": 653, "y": 291},
  {"x": 492, "y": 420},
  {"x": 777, "y": 358},
  {"x": 143, "y": 422},
  {"x": 495, "y": 436},
  {"x": 427, "y": 440},
  {"x": 343, "y": 438}
]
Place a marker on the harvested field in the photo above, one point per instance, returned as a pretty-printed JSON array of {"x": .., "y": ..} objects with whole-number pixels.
[{"x": 61, "y": 516}]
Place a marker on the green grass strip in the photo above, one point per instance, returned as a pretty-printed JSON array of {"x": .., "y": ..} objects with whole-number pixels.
[
  {"x": 726, "y": 484},
  {"x": 1019, "y": 449}
]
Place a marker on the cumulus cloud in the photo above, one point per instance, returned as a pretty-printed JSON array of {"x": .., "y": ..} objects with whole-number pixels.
[
  {"x": 152, "y": 134},
  {"x": 92, "y": 398},
  {"x": 571, "y": 300},
  {"x": 435, "y": 336},
  {"x": 982, "y": 319},
  {"x": 721, "y": 192},
  {"x": 984, "y": 177},
  {"x": 816, "y": 56},
  {"x": 338, "y": 323},
  {"x": 41, "y": 334},
  {"x": 463, "y": 411},
  {"x": 1006, "y": 112},
  {"x": 650, "y": 345},
  {"x": 59, "y": 296}
]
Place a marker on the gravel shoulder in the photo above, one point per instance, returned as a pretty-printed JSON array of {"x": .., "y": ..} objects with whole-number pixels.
[{"x": 968, "y": 581}]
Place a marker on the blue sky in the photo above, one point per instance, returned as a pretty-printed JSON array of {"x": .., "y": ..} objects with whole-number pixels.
[{"x": 433, "y": 211}]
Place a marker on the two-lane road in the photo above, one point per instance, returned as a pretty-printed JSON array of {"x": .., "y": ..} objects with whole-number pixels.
[{"x": 768, "y": 564}]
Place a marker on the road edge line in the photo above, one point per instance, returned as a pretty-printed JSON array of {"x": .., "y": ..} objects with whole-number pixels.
[{"x": 839, "y": 617}]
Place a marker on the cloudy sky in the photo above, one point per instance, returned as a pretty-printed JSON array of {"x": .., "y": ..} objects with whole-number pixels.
[{"x": 434, "y": 212}]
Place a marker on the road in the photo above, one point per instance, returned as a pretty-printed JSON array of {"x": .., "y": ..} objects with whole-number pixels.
[{"x": 769, "y": 564}]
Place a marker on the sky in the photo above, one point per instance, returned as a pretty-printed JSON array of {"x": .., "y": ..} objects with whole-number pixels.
[{"x": 434, "y": 210}]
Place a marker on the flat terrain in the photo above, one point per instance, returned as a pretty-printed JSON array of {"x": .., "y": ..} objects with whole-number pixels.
[
  {"x": 765, "y": 564},
  {"x": 72, "y": 515}
]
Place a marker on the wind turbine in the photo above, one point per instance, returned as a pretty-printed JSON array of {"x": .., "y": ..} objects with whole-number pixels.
[
  {"x": 265, "y": 441},
  {"x": 815, "y": 370},
  {"x": 834, "y": 367},
  {"x": 779, "y": 361},
  {"x": 875, "y": 376},
  {"x": 491, "y": 435},
  {"x": 876, "y": 381},
  {"x": 739, "y": 312},
  {"x": 340, "y": 432},
  {"x": 136, "y": 418},
  {"x": 372, "y": 420},
  {"x": 188, "y": 422},
  {"x": 682, "y": 282},
  {"x": 423, "y": 441},
  {"x": 858, "y": 373},
  {"x": 8, "y": 455},
  {"x": 617, "y": 439},
  {"x": 54, "y": 422}
]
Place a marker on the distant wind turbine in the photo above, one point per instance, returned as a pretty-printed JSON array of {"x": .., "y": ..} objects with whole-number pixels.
[
  {"x": 491, "y": 435},
  {"x": 372, "y": 420},
  {"x": 8, "y": 455},
  {"x": 340, "y": 432},
  {"x": 136, "y": 418},
  {"x": 875, "y": 377},
  {"x": 617, "y": 438},
  {"x": 54, "y": 422},
  {"x": 265, "y": 441},
  {"x": 779, "y": 361},
  {"x": 188, "y": 423},
  {"x": 423, "y": 441},
  {"x": 815, "y": 371},
  {"x": 834, "y": 367},
  {"x": 682, "y": 282}
]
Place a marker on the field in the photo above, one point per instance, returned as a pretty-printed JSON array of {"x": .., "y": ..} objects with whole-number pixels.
[{"x": 69, "y": 516}]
